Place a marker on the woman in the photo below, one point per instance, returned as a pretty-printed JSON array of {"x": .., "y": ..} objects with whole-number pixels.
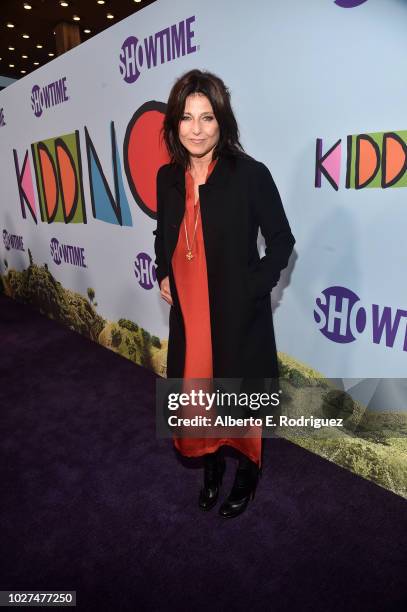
[{"x": 211, "y": 200}]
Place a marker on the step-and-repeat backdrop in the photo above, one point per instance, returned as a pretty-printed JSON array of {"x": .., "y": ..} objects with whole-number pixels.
[{"x": 319, "y": 94}]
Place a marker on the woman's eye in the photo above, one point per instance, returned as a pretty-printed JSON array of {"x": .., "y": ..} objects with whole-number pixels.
[{"x": 206, "y": 118}]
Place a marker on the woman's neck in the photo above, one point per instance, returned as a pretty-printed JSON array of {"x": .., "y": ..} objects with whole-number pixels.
[{"x": 199, "y": 165}]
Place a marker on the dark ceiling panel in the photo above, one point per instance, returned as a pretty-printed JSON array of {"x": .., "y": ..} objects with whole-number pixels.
[{"x": 39, "y": 23}]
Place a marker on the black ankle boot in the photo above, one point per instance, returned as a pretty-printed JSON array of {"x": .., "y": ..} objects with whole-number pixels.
[
  {"x": 244, "y": 488},
  {"x": 214, "y": 468}
]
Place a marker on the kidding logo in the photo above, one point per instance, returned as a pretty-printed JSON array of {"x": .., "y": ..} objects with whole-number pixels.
[
  {"x": 163, "y": 46},
  {"x": 2, "y": 121},
  {"x": 349, "y": 3},
  {"x": 49, "y": 95},
  {"x": 377, "y": 160},
  {"x": 59, "y": 181},
  {"x": 341, "y": 318},
  {"x": 66, "y": 253},
  {"x": 11, "y": 241},
  {"x": 144, "y": 271}
]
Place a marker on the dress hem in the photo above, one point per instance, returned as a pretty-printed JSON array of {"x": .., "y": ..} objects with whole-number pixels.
[{"x": 212, "y": 449}]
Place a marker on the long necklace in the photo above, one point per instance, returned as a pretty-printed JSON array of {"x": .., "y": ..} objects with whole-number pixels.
[{"x": 189, "y": 254}]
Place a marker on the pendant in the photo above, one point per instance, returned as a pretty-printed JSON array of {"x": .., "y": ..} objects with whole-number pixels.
[{"x": 189, "y": 255}]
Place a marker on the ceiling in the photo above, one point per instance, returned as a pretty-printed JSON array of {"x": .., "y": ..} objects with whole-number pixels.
[{"x": 39, "y": 23}]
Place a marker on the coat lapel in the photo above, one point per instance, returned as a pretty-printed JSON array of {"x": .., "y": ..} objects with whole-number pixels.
[
  {"x": 209, "y": 194},
  {"x": 218, "y": 179},
  {"x": 177, "y": 195}
]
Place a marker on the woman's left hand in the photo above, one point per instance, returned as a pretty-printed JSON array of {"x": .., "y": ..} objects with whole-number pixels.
[{"x": 165, "y": 290}]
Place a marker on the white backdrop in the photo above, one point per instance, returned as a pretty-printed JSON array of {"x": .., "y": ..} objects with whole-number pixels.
[{"x": 297, "y": 71}]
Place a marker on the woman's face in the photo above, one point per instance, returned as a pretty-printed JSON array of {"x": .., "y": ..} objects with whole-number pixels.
[{"x": 198, "y": 128}]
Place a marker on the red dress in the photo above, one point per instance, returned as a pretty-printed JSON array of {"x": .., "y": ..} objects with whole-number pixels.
[{"x": 192, "y": 287}]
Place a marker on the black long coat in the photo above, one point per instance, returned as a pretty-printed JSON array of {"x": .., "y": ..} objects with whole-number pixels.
[{"x": 239, "y": 197}]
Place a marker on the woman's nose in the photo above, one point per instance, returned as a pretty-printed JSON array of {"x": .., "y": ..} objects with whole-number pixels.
[{"x": 196, "y": 128}]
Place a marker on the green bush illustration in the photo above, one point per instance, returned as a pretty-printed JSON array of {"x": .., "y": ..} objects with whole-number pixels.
[
  {"x": 91, "y": 294},
  {"x": 155, "y": 341},
  {"x": 128, "y": 324},
  {"x": 37, "y": 286},
  {"x": 116, "y": 338},
  {"x": 370, "y": 444}
]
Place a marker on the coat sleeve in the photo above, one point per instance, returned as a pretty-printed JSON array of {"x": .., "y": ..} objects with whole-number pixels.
[
  {"x": 276, "y": 231},
  {"x": 160, "y": 257}
]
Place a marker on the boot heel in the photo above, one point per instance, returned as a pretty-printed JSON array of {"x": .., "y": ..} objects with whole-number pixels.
[{"x": 243, "y": 490}]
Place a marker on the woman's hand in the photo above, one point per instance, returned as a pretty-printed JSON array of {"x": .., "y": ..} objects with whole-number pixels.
[{"x": 165, "y": 290}]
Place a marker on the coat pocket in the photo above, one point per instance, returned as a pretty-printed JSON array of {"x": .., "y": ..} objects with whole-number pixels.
[{"x": 252, "y": 284}]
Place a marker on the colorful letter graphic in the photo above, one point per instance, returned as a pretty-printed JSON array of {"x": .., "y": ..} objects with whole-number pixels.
[
  {"x": 58, "y": 171},
  {"x": 105, "y": 207},
  {"x": 329, "y": 164},
  {"x": 377, "y": 160},
  {"x": 59, "y": 179},
  {"x": 144, "y": 134},
  {"x": 25, "y": 186}
]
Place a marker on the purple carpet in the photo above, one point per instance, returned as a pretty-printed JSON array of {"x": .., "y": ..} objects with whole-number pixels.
[{"x": 92, "y": 501}]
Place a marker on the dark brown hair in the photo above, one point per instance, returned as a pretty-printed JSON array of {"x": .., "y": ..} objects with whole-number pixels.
[{"x": 197, "y": 81}]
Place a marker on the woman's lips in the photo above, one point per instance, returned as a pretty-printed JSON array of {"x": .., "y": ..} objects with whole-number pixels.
[{"x": 196, "y": 141}]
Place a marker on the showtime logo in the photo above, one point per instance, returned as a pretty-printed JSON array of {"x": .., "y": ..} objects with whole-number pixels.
[
  {"x": 144, "y": 271},
  {"x": 341, "y": 318},
  {"x": 11, "y": 241},
  {"x": 164, "y": 46},
  {"x": 68, "y": 254},
  {"x": 50, "y": 95},
  {"x": 349, "y": 3}
]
